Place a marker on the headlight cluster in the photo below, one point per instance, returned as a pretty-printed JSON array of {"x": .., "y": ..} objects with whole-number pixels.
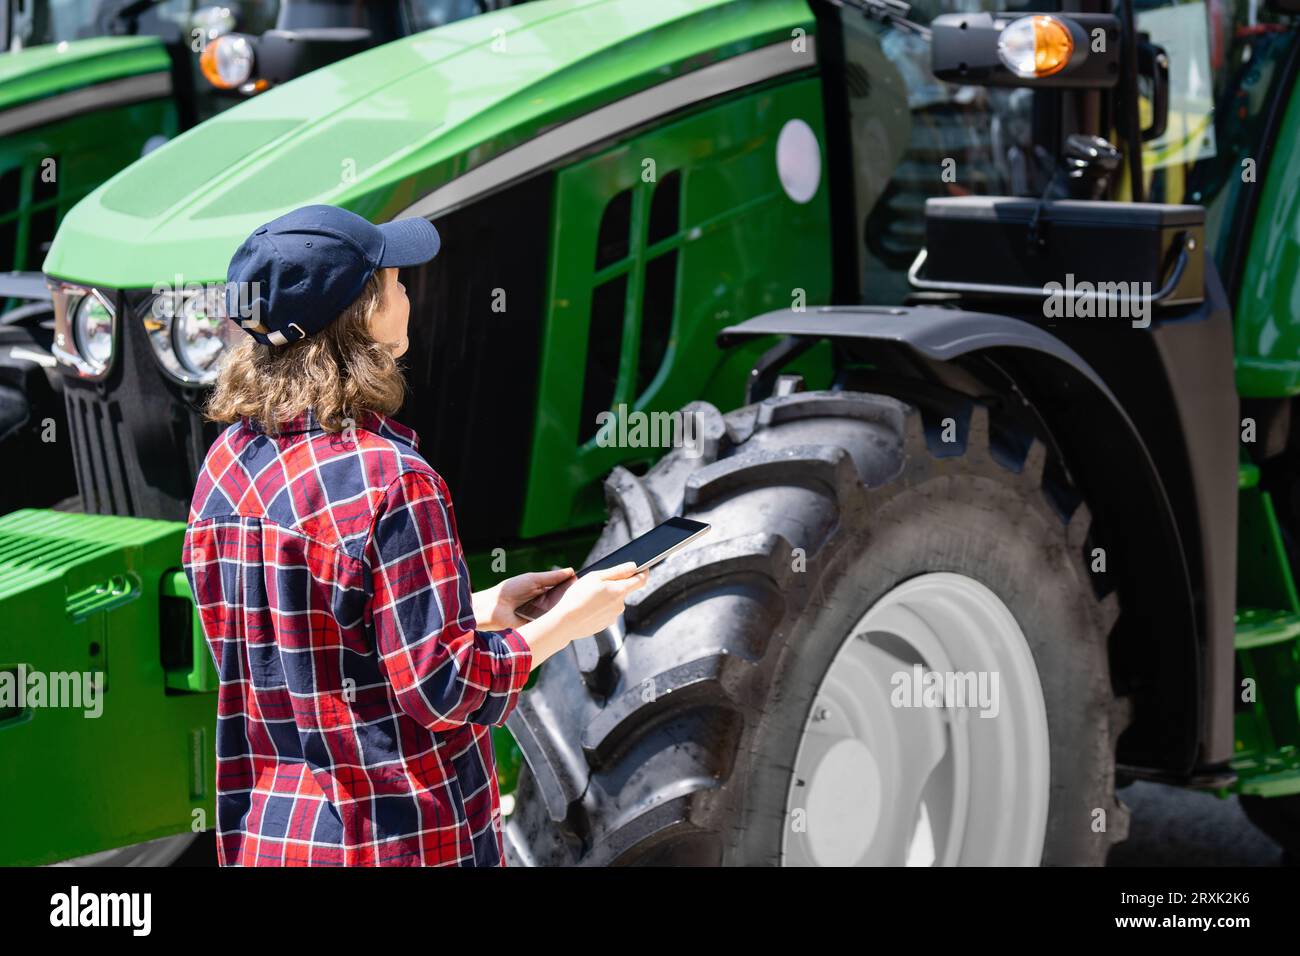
[
  {"x": 85, "y": 330},
  {"x": 189, "y": 333},
  {"x": 187, "y": 330}
]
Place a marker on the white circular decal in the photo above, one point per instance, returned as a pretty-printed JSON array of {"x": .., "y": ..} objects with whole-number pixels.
[{"x": 798, "y": 160}]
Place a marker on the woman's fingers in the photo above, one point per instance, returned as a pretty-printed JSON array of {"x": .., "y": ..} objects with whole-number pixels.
[
  {"x": 618, "y": 572},
  {"x": 552, "y": 577},
  {"x": 628, "y": 585}
]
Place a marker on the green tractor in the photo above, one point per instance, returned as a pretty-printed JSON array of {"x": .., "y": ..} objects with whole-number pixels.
[
  {"x": 991, "y": 419},
  {"x": 89, "y": 86}
]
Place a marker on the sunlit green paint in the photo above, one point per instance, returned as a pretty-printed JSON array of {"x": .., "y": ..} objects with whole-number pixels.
[
  {"x": 145, "y": 767},
  {"x": 742, "y": 247},
  {"x": 42, "y": 71},
  {"x": 1268, "y": 305}
]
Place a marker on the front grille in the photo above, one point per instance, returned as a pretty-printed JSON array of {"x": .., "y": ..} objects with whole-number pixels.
[
  {"x": 140, "y": 467},
  {"x": 137, "y": 438},
  {"x": 102, "y": 476}
]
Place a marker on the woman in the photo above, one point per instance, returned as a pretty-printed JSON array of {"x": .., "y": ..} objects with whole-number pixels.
[{"x": 359, "y": 674}]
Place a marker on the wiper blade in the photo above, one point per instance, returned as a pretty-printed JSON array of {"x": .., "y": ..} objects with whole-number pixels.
[{"x": 893, "y": 12}]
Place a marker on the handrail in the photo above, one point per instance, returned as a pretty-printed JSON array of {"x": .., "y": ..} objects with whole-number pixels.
[{"x": 1185, "y": 243}]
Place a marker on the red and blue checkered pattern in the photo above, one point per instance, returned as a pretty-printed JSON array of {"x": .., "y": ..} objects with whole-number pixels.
[{"x": 356, "y": 695}]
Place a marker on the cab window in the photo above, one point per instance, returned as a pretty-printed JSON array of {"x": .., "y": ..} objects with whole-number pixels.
[
  {"x": 1227, "y": 68},
  {"x": 914, "y": 138}
]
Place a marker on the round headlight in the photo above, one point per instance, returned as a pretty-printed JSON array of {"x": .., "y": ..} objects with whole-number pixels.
[
  {"x": 92, "y": 333},
  {"x": 1036, "y": 46},
  {"x": 190, "y": 334},
  {"x": 227, "y": 62},
  {"x": 198, "y": 332}
]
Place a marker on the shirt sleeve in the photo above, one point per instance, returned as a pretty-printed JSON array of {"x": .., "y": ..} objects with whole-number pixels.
[{"x": 443, "y": 671}]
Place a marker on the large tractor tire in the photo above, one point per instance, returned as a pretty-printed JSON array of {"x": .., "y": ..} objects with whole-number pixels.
[{"x": 746, "y": 709}]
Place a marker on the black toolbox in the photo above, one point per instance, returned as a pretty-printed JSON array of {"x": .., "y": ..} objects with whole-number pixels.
[{"x": 994, "y": 246}]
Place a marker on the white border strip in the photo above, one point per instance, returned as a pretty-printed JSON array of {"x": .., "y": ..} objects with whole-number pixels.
[{"x": 131, "y": 89}]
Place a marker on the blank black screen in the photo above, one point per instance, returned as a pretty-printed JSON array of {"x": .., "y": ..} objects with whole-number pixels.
[{"x": 650, "y": 545}]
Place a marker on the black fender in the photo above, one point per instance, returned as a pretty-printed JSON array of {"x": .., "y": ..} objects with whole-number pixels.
[{"x": 1146, "y": 422}]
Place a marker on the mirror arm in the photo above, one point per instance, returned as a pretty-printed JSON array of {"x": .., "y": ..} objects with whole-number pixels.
[{"x": 1128, "y": 91}]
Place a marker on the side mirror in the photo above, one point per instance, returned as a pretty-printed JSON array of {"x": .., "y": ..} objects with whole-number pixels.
[
  {"x": 1153, "y": 66},
  {"x": 1072, "y": 51}
]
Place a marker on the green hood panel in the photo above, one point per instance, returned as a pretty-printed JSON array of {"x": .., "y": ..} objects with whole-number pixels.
[
  {"x": 41, "y": 71},
  {"x": 375, "y": 132}
]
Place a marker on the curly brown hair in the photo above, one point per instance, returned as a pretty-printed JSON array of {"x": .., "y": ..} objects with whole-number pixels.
[{"x": 337, "y": 373}]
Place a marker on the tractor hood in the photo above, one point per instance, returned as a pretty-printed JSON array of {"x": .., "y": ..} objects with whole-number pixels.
[
  {"x": 378, "y": 131},
  {"x": 40, "y": 72}
]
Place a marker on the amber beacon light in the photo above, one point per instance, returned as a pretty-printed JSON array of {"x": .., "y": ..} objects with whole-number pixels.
[{"x": 1036, "y": 46}]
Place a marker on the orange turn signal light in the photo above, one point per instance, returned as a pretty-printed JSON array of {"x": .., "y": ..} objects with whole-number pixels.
[
  {"x": 227, "y": 62},
  {"x": 1036, "y": 46}
]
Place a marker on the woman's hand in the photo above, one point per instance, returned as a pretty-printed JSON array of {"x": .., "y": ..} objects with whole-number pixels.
[
  {"x": 591, "y": 604},
  {"x": 494, "y": 609}
]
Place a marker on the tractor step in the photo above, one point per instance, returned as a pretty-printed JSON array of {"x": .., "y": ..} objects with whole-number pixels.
[
  {"x": 1267, "y": 643},
  {"x": 1261, "y": 627}
]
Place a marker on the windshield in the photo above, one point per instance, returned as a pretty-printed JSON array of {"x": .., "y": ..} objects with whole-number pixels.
[
  {"x": 915, "y": 137},
  {"x": 1227, "y": 63},
  {"x": 427, "y": 14},
  {"x": 37, "y": 22}
]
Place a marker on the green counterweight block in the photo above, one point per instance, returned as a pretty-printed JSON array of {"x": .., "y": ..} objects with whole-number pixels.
[{"x": 107, "y": 703}]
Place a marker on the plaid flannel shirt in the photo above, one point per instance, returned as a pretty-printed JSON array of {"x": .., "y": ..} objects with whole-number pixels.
[{"x": 356, "y": 695}]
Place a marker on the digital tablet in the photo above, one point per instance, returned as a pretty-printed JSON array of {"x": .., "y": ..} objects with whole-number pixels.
[{"x": 645, "y": 551}]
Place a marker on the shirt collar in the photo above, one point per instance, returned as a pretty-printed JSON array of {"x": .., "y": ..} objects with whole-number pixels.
[{"x": 306, "y": 423}]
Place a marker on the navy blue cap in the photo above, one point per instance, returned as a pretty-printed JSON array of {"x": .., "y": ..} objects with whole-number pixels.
[{"x": 295, "y": 275}]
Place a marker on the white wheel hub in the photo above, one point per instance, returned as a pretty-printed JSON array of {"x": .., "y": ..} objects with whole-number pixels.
[{"x": 927, "y": 740}]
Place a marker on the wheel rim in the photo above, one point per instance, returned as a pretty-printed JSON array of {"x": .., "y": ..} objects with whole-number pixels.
[{"x": 877, "y": 782}]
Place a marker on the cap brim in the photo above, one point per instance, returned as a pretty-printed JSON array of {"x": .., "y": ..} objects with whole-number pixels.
[{"x": 408, "y": 242}]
